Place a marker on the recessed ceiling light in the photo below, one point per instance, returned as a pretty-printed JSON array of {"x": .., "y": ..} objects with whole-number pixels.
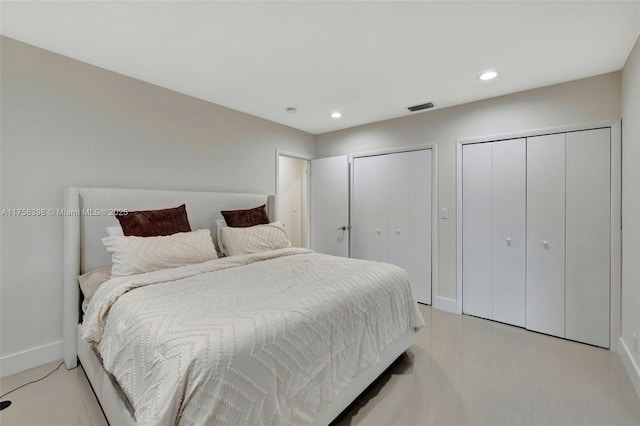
[
  {"x": 488, "y": 75},
  {"x": 336, "y": 114}
]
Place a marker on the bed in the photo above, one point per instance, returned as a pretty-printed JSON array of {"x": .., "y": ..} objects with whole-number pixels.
[{"x": 300, "y": 335}]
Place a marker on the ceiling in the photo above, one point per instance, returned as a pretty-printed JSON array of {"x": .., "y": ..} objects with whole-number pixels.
[{"x": 368, "y": 60}]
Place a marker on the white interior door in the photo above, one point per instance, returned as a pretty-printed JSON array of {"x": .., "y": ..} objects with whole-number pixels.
[
  {"x": 370, "y": 209},
  {"x": 509, "y": 231},
  {"x": 292, "y": 198},
  {"x": 545, "y": 294},
  {"x": 588, "y": 236},
  {"x": 330, "y": 205},
  {"x": 410, "y": 218},
  {"x": 477, "y": 235}
]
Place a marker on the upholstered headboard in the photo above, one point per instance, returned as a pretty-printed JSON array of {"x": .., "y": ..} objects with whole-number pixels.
[{"x": 88, "y": 213}]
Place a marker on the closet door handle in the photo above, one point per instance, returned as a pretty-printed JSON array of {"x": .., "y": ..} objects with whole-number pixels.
[
  {"x": 508, "y": 241},
  {"x": 545, "y": 244},
  {"x": 342, "y": 228},
  {"x": 379, "y": 232},
  {"x": 397, "y": 232}
]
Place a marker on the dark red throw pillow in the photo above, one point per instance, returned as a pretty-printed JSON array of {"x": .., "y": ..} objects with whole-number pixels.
[
  {"x": 245, "y": 218},
  {"x": 154, "y": 223}
]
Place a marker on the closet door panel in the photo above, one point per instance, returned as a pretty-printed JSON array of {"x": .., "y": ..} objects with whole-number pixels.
[
  {"x": 370, "y": 208},
  {"x": 419, "y": 232},
  {"x": 588, "y": 237},
  {"x": 509, "y": 231},
  {"x": 545, "y": 297},
  {"x": 477, "y": 235},
  {"x": 399, "y": 205},
  {"x": 410, "y": 218}
]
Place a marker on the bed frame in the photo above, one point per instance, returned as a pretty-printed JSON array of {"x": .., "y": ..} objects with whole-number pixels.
[{"x": 86, "y": 217}]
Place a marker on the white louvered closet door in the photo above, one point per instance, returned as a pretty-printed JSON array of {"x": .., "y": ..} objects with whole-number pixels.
[
  {"x": 509, "y": 231},
  {"x": 545, "y": 304},
  {"x": 370, "y": 209},
  {"x": 477, "y": 235}
]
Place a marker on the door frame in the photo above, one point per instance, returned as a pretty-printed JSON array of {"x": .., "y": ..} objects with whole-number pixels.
[
  {"x": 455, "y": 305},
  {"x": 434, "y": 203},
  {"x": 276, "y": 207}
]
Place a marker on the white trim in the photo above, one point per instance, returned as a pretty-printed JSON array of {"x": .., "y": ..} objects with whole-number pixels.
[
  {"x": 276, "y": 208},
  {"x": 633, "y": 370},
  {"x": 616, "y": 235},
  {"x": 540, "y": 132},
  {"x": 458, "y": 298},
  {"x": 294, "y": 155},
  {"x": 445, "y": 304},
  {"x": 34, "y": 357},
  {"x": 616, "y": 170},
  {"x": 391, "y": 151},
  {"x": 435, "y": 223}
]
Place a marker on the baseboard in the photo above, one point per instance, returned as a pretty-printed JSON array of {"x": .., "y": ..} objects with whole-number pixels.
[
  {"x": 630, "y": 365},
  {"x": 444, "y": 304},
  {"x": 21, "y": 361}
]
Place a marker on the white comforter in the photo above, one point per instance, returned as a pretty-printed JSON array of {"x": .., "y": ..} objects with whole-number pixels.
[{"x": 267, "y": 338}]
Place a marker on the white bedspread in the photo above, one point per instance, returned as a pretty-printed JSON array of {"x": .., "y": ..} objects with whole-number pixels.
[{"x": 267, "y": 338}]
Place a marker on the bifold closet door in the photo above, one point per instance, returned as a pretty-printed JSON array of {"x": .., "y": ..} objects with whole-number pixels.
[
  {"x": 545, "y": 296},
  {"x": 410, "y": 218},
  {"x": 509, "y": 231},
  {"x": 370, "y": 209},
  {"x": 493, "y": 253},
  {"x": 588, "y": 174},
  {"x": 477, "y": 235}
]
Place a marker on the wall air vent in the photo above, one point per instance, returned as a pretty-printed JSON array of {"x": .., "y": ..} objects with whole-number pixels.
[{"x": 421, "y": 107}]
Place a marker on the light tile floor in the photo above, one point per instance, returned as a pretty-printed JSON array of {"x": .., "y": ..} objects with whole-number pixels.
[{"x": 460, "y": 371}]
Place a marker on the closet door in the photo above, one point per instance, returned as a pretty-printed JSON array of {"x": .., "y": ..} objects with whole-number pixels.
[
  {"x": 370, "y": 210},
  {"x": 588, "y": 236},
  {"x": 477, "y": 235},
  {"x": 410, "y": 218},
  {"x": 545, "y": 297},
  {"x": 509, "y": 231}
]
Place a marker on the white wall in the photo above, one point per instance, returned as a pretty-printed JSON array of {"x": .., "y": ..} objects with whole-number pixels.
[
  {"x": 631, "y": 213},
  {"x": 587, "y": 100},
  {"x": 66, "y": 123}
]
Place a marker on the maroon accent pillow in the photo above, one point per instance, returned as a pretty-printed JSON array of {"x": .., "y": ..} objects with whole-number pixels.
[
  {"x": 154, "y": 223},
  {"x": 245, "y": 218}
]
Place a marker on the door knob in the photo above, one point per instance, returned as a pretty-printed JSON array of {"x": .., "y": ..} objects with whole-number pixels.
[
  {"x": 508, "y": 240},
  {"x": 545, "y": 244},
  {"x": 397, "y": 232},
  {"x": 379, "y": 232},
  {"x": 342, "y": 228}
]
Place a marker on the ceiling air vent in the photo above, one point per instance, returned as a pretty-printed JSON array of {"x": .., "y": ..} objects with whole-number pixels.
[{"x": 421, "y": 107}]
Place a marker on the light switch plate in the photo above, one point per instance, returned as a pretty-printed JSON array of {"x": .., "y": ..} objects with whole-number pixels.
[{"x": 444, "y": 213}]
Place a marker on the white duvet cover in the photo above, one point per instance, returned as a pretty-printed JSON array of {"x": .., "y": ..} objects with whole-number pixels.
[{"x": 267, "y": 338}]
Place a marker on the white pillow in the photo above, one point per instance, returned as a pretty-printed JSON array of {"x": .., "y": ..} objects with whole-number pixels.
[
  {"x": 115, "y": 231},
  {"x": 254, "y": 239},
  {"x": 136, "y": 255},
  {"x": 220, "y": 223}
]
